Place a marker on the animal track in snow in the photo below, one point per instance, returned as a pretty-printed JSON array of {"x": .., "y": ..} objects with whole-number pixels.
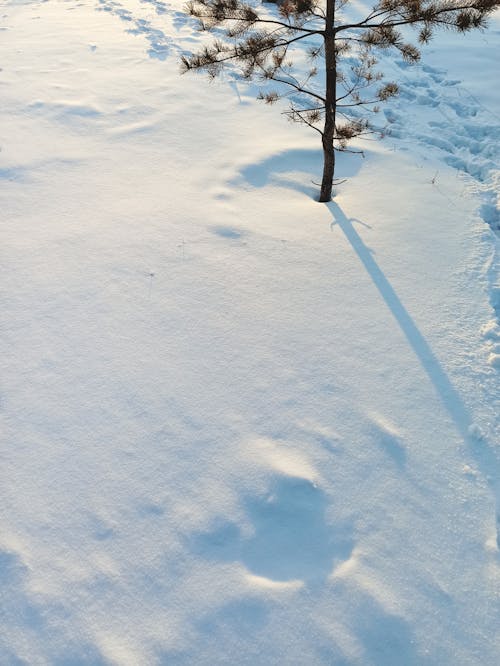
[
  {"x": 464, "y": 132},
  {"x": 159, "y": 42}
]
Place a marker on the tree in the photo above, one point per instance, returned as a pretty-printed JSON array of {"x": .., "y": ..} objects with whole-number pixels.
[{"x": 263, "y": 41}]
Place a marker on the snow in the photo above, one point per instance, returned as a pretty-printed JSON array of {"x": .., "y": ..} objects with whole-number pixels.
[{"x": 239, "y": 426}]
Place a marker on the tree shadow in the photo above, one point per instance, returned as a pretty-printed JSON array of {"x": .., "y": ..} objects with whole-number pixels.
[
  {"x": 293, "y": 168},
  {"x": 485, "y": 456},
  {"x": 291, "y": 538},
  {"x": 438, "y": 377}
]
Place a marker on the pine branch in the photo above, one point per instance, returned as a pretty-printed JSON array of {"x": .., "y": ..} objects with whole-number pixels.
[
  {"x": 299, "y": 89},
  {"x": 250, "y": 23},
  {"x": 294, "y": 112},
  {"x": 249, "y": 50},
  {"x": 460, "y": 13}
]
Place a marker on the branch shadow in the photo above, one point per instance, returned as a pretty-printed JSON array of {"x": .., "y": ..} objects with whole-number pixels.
[{"x": 485, "y": 456}]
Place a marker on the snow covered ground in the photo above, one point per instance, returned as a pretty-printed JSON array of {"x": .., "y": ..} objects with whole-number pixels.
[{"x": 239, "y": 426}]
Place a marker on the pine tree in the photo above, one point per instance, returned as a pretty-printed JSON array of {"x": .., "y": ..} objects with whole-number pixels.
[{"x": 262, "y": 41}]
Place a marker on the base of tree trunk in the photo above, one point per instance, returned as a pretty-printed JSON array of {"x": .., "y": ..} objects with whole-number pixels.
[
  {"x": 328, "y": 170},
  {"x": 325, "y": 194}
]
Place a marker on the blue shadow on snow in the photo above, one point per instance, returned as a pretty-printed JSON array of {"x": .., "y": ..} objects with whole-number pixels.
[
  {"x": 291, "y": 539},
  {"x": 293, "y": 168},
  {"x": 485, "y": 456}
]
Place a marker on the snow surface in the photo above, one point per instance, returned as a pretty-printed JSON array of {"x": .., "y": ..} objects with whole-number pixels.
[{"x": 239, "y": 426}]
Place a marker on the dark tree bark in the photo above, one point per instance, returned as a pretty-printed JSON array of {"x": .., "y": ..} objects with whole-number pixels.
[{"x": 330, "y": 105}]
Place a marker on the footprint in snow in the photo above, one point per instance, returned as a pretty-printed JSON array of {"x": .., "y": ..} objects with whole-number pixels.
[{"x": 291, "y": 540}]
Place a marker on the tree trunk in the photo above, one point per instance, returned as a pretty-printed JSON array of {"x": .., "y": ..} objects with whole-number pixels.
[
  {"x": 330, "y": 104},
  {"x": 328, "y": 164}
]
